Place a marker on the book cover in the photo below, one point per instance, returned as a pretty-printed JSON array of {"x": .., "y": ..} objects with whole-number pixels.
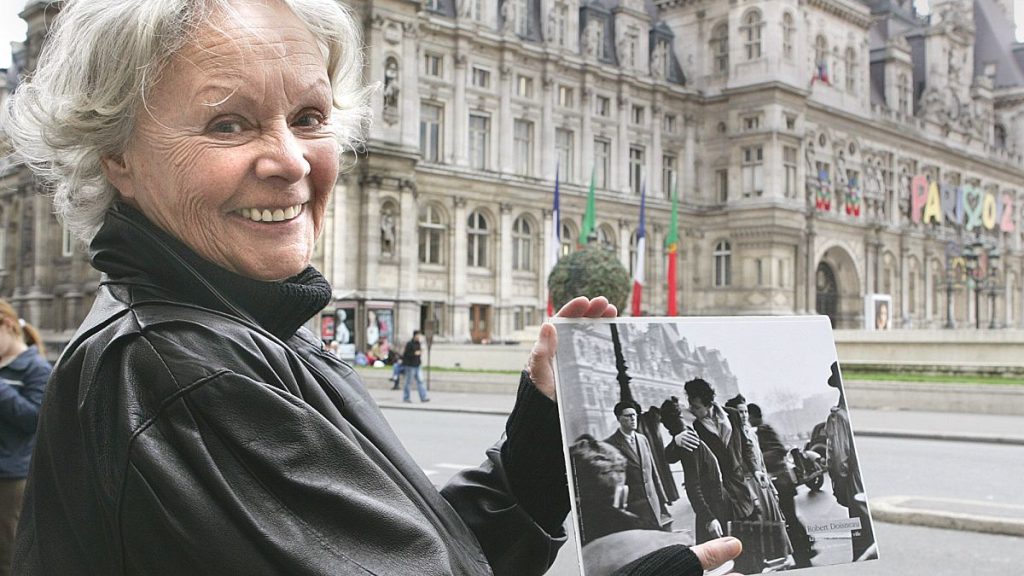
[{"x": 678, "y": 430}]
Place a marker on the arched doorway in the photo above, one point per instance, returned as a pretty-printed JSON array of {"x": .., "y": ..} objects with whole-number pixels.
[{"x": 826, "y": 301}]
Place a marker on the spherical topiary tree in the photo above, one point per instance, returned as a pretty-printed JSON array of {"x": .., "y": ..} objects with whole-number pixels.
[{"x": 591, "y": 272}]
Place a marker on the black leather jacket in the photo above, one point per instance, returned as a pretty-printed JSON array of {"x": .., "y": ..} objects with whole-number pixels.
[{"x": 180, "y": 437}]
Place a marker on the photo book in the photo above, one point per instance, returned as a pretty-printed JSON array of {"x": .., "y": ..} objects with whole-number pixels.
[{"x": 679, "y": 430}]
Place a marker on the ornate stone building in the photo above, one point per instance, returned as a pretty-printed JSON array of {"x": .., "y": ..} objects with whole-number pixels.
[{"x": 825, "y": 151}]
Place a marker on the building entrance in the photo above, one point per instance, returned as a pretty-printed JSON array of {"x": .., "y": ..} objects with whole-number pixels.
[{"x": 826, "y": 301}]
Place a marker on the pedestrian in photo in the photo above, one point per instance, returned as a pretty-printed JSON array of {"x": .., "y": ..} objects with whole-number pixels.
[
  {"x": 23, "y": 375},
  {"x": 646, "y": 496},
  {"x": 844, "y": 470},
  {"x": 600, "y": 473},
  {"x": 412, "y": 358},
  {"x": 781, "y": 474}
]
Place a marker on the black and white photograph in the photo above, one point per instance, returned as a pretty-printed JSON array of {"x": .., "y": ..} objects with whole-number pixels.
[
  {"x": 877, "y": 312},
  {"x": 681, "y": 430}
]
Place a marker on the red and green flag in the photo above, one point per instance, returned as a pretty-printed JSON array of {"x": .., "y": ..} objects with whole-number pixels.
[{"x": 672, "y": 246}]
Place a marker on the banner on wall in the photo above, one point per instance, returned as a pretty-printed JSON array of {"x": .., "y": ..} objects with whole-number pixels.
[{"x": 877, "y": 312}]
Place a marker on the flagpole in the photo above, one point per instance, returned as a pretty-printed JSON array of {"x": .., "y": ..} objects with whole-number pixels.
[{"x": 555, "y": 250}]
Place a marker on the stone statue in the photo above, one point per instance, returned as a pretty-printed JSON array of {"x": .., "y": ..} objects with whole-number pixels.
[
  {"x": 507, "y": 16},
  {"x": 391, "y": 90},
  {"x": 658, "y": 59},
  {"x": 387, "y": 232}
]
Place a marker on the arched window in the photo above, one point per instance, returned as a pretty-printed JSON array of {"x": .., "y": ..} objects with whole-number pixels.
[
  {"x": 851, "y": 70},
  {"x": 751, "y": 32},
  {"x": 821, "y": 58},
  {"x": 723, "y": 263},
  {"x": 432, "y": 228},
  {"x": 567, "y": 238},
  {"x": 720, "y": 48},
  {"x": 903, "y": 93},
  {"x": 788, "y": 32},
  {"x": 478, "y": 233},
  {"x": 632, "y": 253},
  {"x": 999, "y": 136},
  {"x": 522, "y": 244}
]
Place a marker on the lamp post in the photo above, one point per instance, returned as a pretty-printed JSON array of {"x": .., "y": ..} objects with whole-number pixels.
[
  {"x": 955, "y": 274},
  {"x": 976, "y": 262},
  {"x": 992, "y": 283}
]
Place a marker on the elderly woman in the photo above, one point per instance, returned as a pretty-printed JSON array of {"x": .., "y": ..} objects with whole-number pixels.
[{"x": 192, "y": 426}]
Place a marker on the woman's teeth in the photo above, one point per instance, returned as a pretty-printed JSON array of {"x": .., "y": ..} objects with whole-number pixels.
[{"x": 267, "y": 215}]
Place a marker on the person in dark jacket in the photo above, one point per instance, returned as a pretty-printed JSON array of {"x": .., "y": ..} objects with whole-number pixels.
[
  {"x": 412, "y": 359},
  {"x": 782, "y": 478},
  {"x": 702, "y": 477},
  {"x": 192, "y": 424},
  {"x": 23, "y": 375}
]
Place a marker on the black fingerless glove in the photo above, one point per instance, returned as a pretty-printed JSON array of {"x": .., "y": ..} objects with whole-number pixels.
[
  {"x": 675, "y": 560},
  {"x": 533, "y": 458}
]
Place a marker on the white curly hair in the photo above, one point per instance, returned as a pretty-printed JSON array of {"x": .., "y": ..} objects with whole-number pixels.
[{"x": 94, "y": 72}]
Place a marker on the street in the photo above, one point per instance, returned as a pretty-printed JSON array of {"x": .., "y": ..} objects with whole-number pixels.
[{"x": 443, "y": 442}]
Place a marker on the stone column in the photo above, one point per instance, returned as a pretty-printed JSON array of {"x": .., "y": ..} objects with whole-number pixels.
[
  {"x": 544, "y": 268},
  {"x": 506, "y": 155},
  {"x": 409, "y": 96},
  {"x": 503, "y": 271},
  {"x": 688, "y": 167},
  {"x": 408, "y": 260},
  {"x": 620, "y": 156},
  {"x": 546, "y": 141},
  {"x": 369, "y": 237},
  {"x": 460, "y": 114},
  {"x": 457, "y": 268}
]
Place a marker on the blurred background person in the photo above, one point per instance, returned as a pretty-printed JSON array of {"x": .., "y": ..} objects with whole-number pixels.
[
  {"x": 23, "y": 375},
  {"x": 646, "y": 496}
]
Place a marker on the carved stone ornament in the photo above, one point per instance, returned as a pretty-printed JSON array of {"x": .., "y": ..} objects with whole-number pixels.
[{"x": 393, "y": 32}]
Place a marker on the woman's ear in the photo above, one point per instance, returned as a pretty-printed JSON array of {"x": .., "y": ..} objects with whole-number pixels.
[{"x": 118, "y": 172}]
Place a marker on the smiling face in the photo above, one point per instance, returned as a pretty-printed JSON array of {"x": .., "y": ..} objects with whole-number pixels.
[{"x": 232, "y": 153}]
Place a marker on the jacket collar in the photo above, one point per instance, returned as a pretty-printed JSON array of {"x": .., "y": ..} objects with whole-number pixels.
[{"x": 130, "y": 249}]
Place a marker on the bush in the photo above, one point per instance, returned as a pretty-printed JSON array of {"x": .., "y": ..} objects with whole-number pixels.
[{"x": 591, "y": 272}]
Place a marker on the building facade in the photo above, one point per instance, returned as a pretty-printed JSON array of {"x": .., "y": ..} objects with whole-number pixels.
[{"x": 828, "y": 154}]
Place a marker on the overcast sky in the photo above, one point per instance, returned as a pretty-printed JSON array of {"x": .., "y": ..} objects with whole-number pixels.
[{"x": 12, "y": 28}]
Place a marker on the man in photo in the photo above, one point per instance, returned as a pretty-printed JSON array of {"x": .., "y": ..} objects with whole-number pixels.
[
  {"x": 646, "y": 496},
  {"x": 722, "y": 430}
]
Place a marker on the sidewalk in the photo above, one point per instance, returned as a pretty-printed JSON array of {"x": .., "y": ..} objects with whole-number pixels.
[{"x": 947, "y": 426}]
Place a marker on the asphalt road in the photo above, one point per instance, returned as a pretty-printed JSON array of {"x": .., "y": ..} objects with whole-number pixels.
[{"x": 444, "y": 442}]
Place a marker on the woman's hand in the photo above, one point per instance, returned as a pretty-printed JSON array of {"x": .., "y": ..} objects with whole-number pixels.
[{"x": 540, "y": 366}]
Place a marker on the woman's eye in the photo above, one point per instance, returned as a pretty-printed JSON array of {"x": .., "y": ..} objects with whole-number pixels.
[
  {"x": 226, "y": 127},
  {"x": 310, "y": 119}
]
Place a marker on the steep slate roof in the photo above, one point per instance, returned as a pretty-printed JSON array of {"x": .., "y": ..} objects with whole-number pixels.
[{"x": 994, "y": 44}]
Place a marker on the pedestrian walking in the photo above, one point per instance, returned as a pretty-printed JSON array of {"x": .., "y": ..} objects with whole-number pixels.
[
  {"x": 412, "y": 358},
  {"x": 23, "y": 375}
]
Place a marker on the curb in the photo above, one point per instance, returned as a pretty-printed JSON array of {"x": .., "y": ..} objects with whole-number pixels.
[
  {"x": 435, "y": 408},
  {"x": 896, "y": 510},
  {"x": 945, "y": 437}
]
